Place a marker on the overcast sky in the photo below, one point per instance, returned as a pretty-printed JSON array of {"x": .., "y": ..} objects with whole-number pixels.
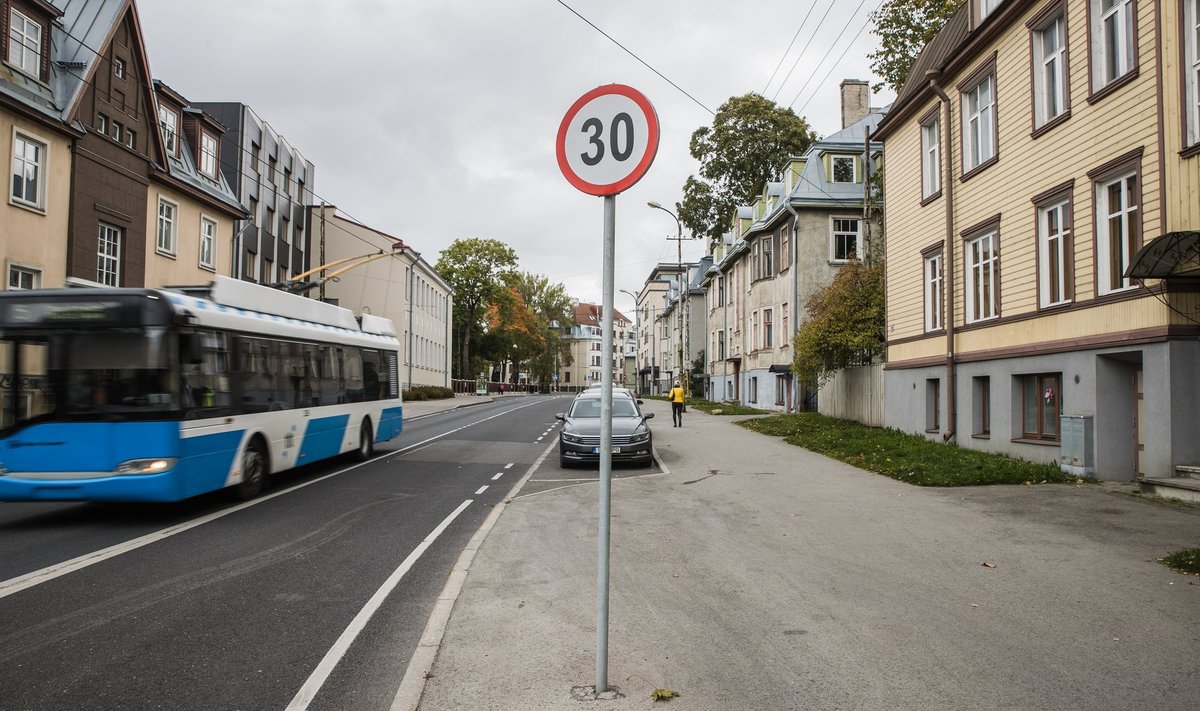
[{"x": 434, "y": 121}]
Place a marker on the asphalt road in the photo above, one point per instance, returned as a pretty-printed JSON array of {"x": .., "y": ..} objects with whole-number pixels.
[{"x": 247, "y": 606}]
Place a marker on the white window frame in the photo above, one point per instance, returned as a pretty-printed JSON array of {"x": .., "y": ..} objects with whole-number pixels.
[
  {"x": 833, "y": 162},
  {"x": 935, "y": 284},
  {"x": 20, "y": 271},
  {"x": 108, "y": 255},
  {"x": 167, "y": 227},
  {"x": 982, "y": 261},
  {"x": 22, "y": 161},
  {"x": 1049, "y": 72},
  {"x": 208, "y": 243},
  {"x": 1125, "y": 218},
  {"x": 768, "y": 327},
  {"x": 119, "y": 67},
  {"x": 208, "y": 155},
  {"x": 1109, "y": 62},
  {"x": 931, "y": 158},
  {"x": 1191, "y": 48},
  {"x": 170, "y": 132},
  {"x": 979, "y": 122},
  {"x": 24, "y": 46},
  {"x": 1054, "y": 233},
  {"x": 836, "y": 235},
  {"x": 986, "y": 7}
]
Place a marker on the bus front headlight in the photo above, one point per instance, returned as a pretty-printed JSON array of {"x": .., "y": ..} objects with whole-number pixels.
[{"x": 146, "y": 466}]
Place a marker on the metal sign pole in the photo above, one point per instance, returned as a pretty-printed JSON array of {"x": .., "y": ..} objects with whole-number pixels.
[{"x": 602, "y": 543}]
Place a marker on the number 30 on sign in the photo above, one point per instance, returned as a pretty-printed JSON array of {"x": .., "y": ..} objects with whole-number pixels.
[{"x": 607, "y": 140}]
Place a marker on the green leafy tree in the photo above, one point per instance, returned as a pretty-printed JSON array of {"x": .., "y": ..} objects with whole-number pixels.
[
  {"x": 524, "y": 325},
  {"x": 845, "y": 325},
  {"x": 904, "y": 28},
  {"x": 748, "y": 144},
  {"x": 474, "y": 268}
]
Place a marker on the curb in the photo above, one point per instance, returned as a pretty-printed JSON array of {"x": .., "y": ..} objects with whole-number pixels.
[{"x": 420, "y": 667}]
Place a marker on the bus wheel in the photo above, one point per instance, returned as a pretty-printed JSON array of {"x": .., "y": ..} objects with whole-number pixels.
[
  {"x": 366, "y": 442},
  {"x": 254, "y": 471}
]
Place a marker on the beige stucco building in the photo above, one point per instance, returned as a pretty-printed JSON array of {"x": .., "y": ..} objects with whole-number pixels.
[
  {"x": 587, "y": 349},
  {"x": 783, "y": 249},
  {"x": 385, "y": 277},
  {"x": 1035, "y": 149}
]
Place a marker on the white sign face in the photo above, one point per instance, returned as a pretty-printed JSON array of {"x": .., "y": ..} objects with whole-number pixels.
[{"x": 607, "y": 140}]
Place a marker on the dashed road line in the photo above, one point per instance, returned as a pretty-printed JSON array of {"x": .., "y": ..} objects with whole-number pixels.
[{"x": 481, "y": 490}]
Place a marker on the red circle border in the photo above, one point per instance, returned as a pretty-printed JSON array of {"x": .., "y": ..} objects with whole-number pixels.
[{"x": 643, "y": 165}]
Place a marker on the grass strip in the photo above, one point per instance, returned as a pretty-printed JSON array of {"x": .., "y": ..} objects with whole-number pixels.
[
  {"x": 712, "y": 408},
  {"x": 902, "y": 456}
]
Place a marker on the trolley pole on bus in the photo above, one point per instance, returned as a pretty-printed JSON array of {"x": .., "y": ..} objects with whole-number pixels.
[{"x": 606, "y": 143}]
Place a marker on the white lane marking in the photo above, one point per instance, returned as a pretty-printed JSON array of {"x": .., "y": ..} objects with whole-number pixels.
[
  {"x": 498, "y": 475},
  {"x": 481, "y": 489},
  {"x": 509, "y": 465},
  {"x": 539, "y": 439},
  {"x": 317, "y": 679},
  {"x": 408, "y": 696},
  {"x": 14, "y": 585}
]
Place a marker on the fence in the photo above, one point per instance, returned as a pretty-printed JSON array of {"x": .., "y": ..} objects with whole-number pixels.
[
  {"x": 468, "y": 387},
  {"x": 854, "y": 394}
]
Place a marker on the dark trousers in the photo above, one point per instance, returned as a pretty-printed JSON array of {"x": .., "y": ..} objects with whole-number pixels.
[{"x": 677, "y": 414}]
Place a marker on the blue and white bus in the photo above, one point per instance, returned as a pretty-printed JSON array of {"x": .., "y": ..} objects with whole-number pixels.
[{"x": 163, "y": 394}]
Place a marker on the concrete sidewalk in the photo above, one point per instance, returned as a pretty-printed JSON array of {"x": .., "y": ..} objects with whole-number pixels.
[{"x": 757, "y": 575}]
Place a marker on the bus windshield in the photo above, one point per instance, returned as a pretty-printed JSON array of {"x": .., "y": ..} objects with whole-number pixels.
[{"x": 99, "y": 374}]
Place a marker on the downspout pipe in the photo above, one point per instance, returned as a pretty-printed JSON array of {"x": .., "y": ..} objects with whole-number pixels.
[
  {"x": 949, "y": 268},
  {"x": 794, "y": 295}
]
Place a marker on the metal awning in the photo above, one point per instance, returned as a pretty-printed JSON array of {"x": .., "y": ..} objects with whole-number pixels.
[
  {"x": 781, "y": 368},
  {"x": 1173, "y": 256}
]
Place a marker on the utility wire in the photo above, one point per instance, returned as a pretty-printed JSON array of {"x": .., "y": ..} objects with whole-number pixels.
[
  {"x": 817, "y": 67},
  {"x": 833, "y": 66},
  {"x": 802, "y": 51},
  {"x": 789, "y": 48},
  {"x": 631, "y": 54}
]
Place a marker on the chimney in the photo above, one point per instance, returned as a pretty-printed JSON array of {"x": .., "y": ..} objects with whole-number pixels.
[{"x": 856, "y": 101}]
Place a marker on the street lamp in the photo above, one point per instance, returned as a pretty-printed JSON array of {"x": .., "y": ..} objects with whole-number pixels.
[
  {"x": 683, "y": 332},
  {"x": 637, "y": 316}
]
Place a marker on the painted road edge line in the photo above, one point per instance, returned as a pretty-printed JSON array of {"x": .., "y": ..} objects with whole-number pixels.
[
  {"x": 330, "y": 661},
  {"x": 412, "y": 686},
  {"x": 37, "y": 577}
]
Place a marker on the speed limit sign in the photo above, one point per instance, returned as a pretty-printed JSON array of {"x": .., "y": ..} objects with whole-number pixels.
[{"x": 607, "y": 140}]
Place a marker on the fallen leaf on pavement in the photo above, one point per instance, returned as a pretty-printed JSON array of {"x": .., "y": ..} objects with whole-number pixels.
[
  {"x": 988, "y": 565},
  {"x": 974, "y": 604}
]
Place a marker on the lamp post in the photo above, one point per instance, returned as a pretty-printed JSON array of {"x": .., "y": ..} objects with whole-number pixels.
[
  {"x": 637, "y": 328},
  {"x": 683, "y": 331}
]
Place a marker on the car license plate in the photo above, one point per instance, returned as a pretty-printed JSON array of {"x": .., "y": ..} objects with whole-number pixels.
[{"x": 615, "y": 450}]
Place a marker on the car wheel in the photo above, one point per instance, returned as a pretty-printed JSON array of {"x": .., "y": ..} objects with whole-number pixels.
[
  {"x": 366, "y": 443},
  {"x": 254, "y": 471}
]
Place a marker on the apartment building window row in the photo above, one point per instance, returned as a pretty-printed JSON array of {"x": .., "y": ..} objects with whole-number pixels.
[
  {"x": 1191, "y": 69},
  {"x": 167, "y": 215},
  {"x": 208, "y": 243},
  {"x": 979, "y": 129},
  {"x": 1050, "y": 71},
  {"x": 23, "y": 278},
  {"x": 931, "y": 152},
  {"x": 24, "y": 43},
  {"x": 1041, "y": 406},
  {"x": 934, "y": 287},
  {"x": 28, "y": 169},
  {"x": 844, "y": 239},
  {"x": 1114, "y": 41},
  {"x": 982, "y": 267},
  {"x": 108, "y": 255}
]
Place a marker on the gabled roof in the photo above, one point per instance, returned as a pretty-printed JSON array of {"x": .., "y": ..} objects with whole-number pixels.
[
  {"x": 943, "y": 47},
  {"x": 590, "y": 314}
]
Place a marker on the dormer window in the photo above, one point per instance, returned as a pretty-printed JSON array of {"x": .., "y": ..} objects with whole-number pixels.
[
  {"x": 24, "y": 43},
  {"x": 169, "y": 121},
  {"x": 986, "y": 7},
  {"x": 208, "y": 155},
  {"x": 844, "y": 169}
]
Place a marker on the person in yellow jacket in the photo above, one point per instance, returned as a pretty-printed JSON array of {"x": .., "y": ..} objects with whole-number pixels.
[{"x": 676, "y": 398}]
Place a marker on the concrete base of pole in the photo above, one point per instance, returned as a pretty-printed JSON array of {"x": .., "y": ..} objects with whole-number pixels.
[{"x": 588, "y": 693}]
